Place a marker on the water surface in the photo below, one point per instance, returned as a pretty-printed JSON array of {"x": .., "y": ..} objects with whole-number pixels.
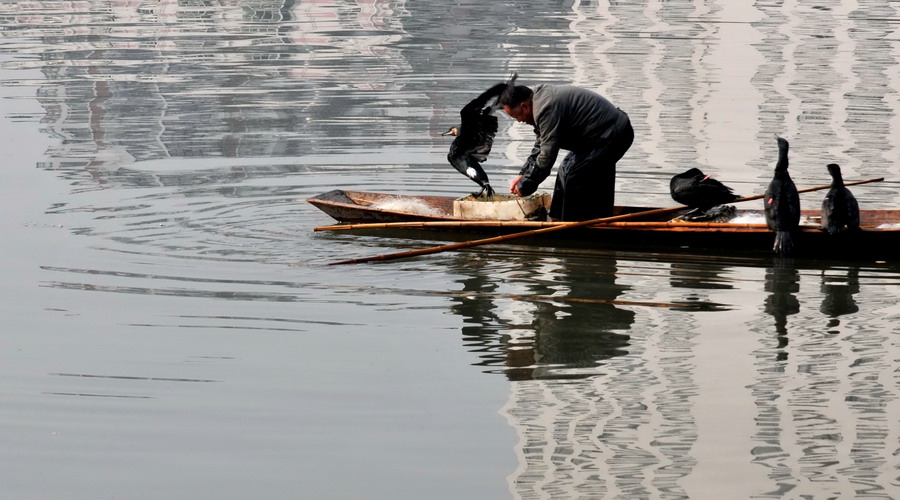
[{"x": 171, "y": 329}]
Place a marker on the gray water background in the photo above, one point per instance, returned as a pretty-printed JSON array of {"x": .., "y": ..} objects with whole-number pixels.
[{"x": 170, "y": 329}]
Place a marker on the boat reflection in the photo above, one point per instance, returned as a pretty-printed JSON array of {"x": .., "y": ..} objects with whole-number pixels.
[
  {"x": 555, "y": 319},
  {"x": 560, "y": 328}
]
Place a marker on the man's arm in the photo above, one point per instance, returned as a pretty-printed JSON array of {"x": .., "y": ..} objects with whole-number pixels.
[
  {"x": 527, "y": 169},
  {"x": 537, "y": 168},
  {"x": 543, "y": 154}
]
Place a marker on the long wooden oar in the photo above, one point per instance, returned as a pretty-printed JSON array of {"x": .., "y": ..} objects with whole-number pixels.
[
  {"x": 528, "y": 225},
  {"x": 550, "y": 229}
]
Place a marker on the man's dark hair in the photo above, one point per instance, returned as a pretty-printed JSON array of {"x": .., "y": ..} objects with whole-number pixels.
[{"x": 514, "y": 95}]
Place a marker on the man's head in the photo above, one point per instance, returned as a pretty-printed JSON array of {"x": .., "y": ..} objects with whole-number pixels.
[{"x": 516, "y": 101}]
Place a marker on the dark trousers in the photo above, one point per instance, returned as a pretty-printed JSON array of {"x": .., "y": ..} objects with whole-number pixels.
[{"x": 586, "y": 181}]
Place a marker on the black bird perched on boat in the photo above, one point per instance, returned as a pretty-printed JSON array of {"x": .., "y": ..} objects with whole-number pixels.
[
  {"x": 475, "y": 136},
  {"x": 782, "y": 203},
  {"x": 699, "y": 191},
  {"x": 840, "y": 210}
]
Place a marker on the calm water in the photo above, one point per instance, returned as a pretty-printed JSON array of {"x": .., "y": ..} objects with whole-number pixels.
[{"x": 170, "y": 329}]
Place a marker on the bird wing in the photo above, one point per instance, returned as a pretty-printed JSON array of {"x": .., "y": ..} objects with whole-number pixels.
[
  {"x": 473, "y": 109},
  {"x": 715, "y": 192},
  {"x": 782, "y": 204},
  {"x": 792, "y": 199},
  {"x": 852, "y": 210},
  {"x": 828, "y": 211},
  {"x": 483, "y": 139},
  {"x": 707, "y": 192},
  {"x": 715, "y": 184},
  {"x": 679, "y": 188}
]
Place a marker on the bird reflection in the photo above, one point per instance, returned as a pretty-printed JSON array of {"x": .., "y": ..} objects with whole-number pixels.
[
  {"x": 837, "y": 294},
  {"x": 565, "y": 334},
  {"x": 782, "y": 283}
]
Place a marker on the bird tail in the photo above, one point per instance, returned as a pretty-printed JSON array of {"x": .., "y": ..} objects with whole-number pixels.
[{"x": 784, "y": 243}]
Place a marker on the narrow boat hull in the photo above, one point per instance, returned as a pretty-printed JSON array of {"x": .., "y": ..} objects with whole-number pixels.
[{"x": 879, "y": 238}]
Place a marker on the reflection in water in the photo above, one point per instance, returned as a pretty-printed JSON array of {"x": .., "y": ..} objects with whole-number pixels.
[
  {"x": 570, "y": 323},
  {"x": 825, "y": 80},
  {"x": 782, "y": 283},
  {"x": 585, "y": 328},
  {"x": 133, "y": 81},
  {"x": 704, "y": 276},
  {"x": 232, "y": 80},
  {"x": 837, "y": 294},
  {"x": 580, "y": 406},
  {"x": 826, "y": 400}
]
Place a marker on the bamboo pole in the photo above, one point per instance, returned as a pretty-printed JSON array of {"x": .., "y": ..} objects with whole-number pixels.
[
  {"x": 814, "y": 188},
  {"x": 436, "y": 224},
  {"x": 528, "y": 224},
  {"x": 558, "y": 227}
]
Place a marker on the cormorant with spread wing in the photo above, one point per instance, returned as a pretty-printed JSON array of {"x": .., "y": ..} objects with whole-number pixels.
[{"x": 475, "y": 136}]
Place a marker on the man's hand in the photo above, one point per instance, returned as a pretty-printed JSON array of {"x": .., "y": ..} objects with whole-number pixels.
[{"x": 514, "y": 186}]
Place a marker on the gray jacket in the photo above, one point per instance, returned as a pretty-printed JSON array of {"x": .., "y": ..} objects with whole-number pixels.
[{"x": 570, "y": 118}]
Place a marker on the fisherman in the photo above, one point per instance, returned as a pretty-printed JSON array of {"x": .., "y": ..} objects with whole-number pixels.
[{"x": 594, "y": 131}]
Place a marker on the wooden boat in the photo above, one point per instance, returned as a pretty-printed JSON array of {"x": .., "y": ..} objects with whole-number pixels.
[{"x": 432, "y": 216}]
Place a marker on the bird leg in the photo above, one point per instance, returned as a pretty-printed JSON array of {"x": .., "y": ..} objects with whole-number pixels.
[{"x": 486, "y": 190}]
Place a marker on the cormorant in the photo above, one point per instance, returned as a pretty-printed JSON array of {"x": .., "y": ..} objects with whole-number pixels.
[
  {"x": 782, "y": 203},
  {"x": 474, "y": 138},
  {"x": 840, "y": 210},
  {"x": 699, "y": 191}
]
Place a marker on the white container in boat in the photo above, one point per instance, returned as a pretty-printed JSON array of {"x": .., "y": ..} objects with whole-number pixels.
[{"x": 502, "y": 207}]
